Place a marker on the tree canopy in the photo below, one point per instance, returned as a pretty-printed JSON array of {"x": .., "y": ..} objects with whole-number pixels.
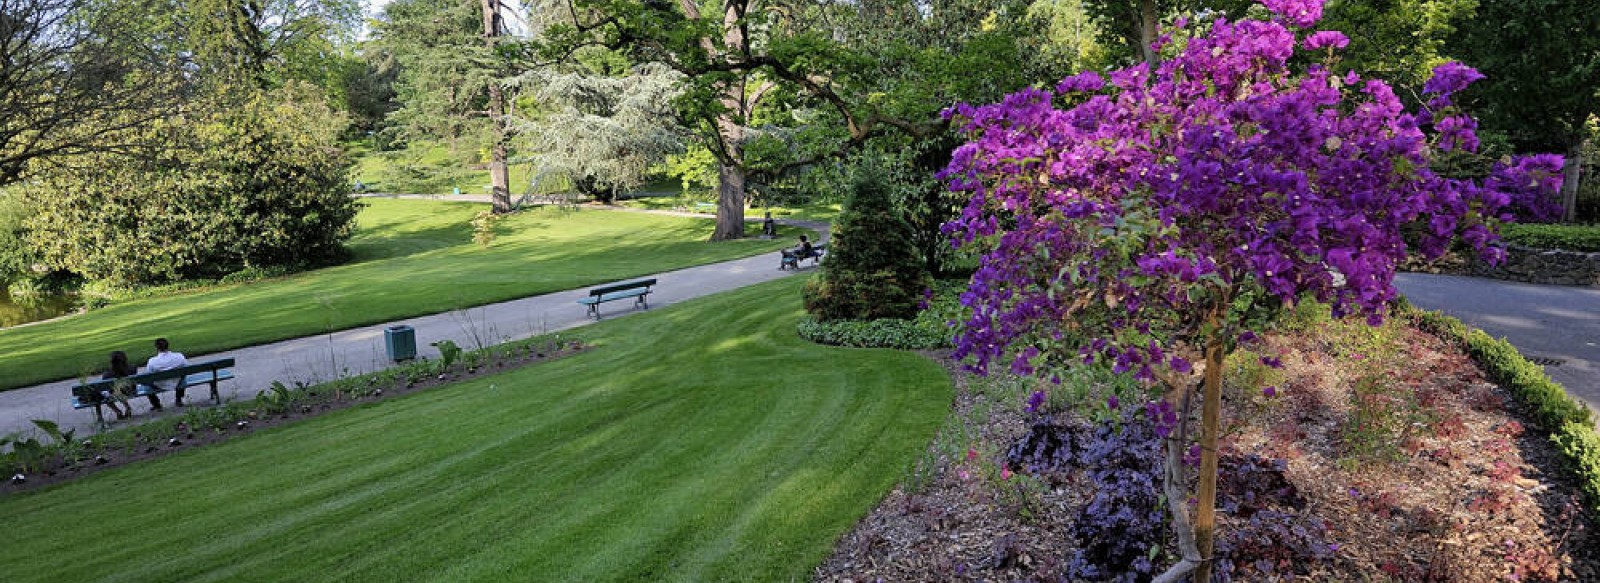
[
  {"x": 1161, "y": 215},
  {"x": 74, "y": 79}
]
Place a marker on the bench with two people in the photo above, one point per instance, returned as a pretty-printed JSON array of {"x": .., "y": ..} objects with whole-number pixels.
[{"x": 166, "y": 371}]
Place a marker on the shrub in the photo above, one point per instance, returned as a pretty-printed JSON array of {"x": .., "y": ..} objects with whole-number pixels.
[
  {"x": 1582, "y": 238},
  {"x": 1125, "y": 519},
  {"x": 884, "y": 333},
  {"x": 1273, "y": 545},
  {"x": 1580, "y": 445},
  {"x": 257, "y": 183},
  {"x": 872, "y": 269},
  {"x": 16, "y": 257}
]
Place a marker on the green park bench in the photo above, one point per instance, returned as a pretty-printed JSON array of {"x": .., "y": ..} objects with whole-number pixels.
[
  {"x": 634, "y": 289},
  {"x": 86, "y": 395},
  {"x": 789, "y": 260}
]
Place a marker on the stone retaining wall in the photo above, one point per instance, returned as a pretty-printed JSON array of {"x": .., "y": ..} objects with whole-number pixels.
[{"x": 1544, "y": 266}]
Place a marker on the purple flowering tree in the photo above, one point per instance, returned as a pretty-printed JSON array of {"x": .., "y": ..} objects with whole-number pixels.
[{"x": 1150, "y": 221}]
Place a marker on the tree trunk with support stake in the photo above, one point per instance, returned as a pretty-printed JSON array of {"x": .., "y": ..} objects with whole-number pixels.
[{"x": 1205, "y": 520}]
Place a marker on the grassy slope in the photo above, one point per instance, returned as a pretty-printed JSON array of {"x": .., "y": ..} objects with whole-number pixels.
[
  {"x": 734, "y": 452},
  {"x": 413, "y": 258},
  {"x": 429, "y": 169}
]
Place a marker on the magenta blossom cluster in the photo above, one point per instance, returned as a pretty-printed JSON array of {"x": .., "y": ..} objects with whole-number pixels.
[
  {"x": 1301, "y": 13},
  {"x": 1532, "y": 183},
  {"x": 1109, "y": 229}
]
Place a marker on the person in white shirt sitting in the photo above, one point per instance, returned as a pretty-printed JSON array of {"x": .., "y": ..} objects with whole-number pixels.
[{"x": 165, "y": 359}]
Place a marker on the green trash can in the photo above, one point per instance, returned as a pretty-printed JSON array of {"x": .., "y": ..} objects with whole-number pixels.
[{"x": 401, "y": 342}]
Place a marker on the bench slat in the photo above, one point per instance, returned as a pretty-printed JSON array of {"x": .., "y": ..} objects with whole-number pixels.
[
  {"x": 621, "y": 295},
  {"x": 600, "y": 291}
]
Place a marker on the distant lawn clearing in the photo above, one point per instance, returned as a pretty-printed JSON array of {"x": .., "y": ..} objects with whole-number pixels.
[
  {"x": 699, "y": 442},
  {"x": 414, "y": 257}
]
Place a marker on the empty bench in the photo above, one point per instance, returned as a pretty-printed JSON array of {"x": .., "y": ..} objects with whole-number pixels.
[
  {"x": 790, "y": 260},
  {"x": 86, "y": 395},
  {"x": 633, "y": 289}
]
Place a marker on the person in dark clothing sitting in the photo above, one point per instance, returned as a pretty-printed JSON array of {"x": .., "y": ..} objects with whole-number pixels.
[
  {"x": 119, "y": 368},
  {"x": 805, "y": 251}
]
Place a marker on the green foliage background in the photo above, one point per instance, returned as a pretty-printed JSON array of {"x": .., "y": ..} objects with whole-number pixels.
[{"x": 260, "y": 183}]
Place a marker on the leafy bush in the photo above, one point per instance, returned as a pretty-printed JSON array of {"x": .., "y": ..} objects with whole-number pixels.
[
  {"x": 16, "y": 257},
  {"x": 930, "y": 329},
  {"x": 1249, "y": 483},
  {"x": 883, "y": 333},
  {"x": 1272, "y": 545},
  {"x": 1382, "y": 415},
  {"x": 838, "y": 294},
  {"x": 872, "y": 269},
  {"x": 1049, "y": 447},
  {"x": 258, "y": 183},
  {"x": 1583, "y": 238},
  {"x": 1122, "y": 526},
  {"x": 1580, "y": 445}
]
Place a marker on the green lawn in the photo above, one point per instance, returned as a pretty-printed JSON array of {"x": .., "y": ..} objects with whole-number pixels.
[
  {"x": 413, "y": 258},
  {"x": 739, "y": 454},
  {"x": 432, "y": 169},
  {"x": 695, "y": 202}
]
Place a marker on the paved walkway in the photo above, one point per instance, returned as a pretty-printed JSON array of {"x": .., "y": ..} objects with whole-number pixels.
[
  {"x": 1559, "y": 323},
  {"x": 361, "y": 350}
]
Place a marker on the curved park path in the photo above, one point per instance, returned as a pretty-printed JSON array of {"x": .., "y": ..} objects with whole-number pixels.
[
  {"x": 361, "y": 350},
  {"x": 1556, "y": 325}
]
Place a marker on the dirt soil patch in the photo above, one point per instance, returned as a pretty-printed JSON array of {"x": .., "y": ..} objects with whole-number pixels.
[{"x": 1419, "y": 468}]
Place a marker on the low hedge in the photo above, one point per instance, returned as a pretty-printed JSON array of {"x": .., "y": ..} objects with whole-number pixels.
[
  {"x": 883, "y": 333},
  {"x": 1570, "y": 422},
  {"x": 1581, "y": 238}
]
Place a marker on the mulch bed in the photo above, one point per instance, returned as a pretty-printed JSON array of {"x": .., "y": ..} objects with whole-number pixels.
[
  {"x": 1465, "y": 488},
  {"x": 155, "y": 437}
]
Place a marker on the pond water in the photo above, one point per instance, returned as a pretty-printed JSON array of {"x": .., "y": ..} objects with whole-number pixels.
[{"x": 13, "y": 313}]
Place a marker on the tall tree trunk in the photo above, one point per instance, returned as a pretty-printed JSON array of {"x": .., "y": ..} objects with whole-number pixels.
[
  {"x": 1147, "y": 32},
  {"x": 730, "y": 130},
  {"x": 499, "y": 173},
  {"x": 1572, "y": 173},
  {"x": 1205, "y": 520},
  {"x": 730, "y": 203}
]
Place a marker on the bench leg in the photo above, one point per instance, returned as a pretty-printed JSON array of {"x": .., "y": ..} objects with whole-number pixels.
[
  {"x": 215, "y": 398},
  {"x": 641, "y": 304},
  {"x": 594, "y": 311}
]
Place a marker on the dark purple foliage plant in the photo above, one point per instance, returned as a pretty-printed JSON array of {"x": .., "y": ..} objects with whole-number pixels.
[{"x": 1147, "y": 218}]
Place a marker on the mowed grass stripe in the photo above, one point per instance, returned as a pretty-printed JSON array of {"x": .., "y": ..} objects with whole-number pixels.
[
  {"x": 700, "y": 442},
  {"x": 413, "y": 257}
]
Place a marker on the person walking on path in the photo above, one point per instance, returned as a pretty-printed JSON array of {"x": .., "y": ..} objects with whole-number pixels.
[{"x": 165, "y": 359}]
